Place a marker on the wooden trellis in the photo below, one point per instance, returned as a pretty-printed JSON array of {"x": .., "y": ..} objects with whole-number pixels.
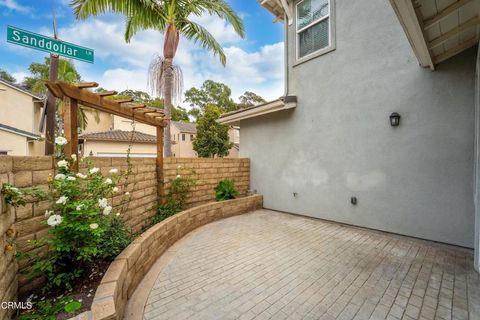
[{"x": 75, "y": 94}]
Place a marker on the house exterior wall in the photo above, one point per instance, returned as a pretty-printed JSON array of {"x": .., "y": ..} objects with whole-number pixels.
[
  {"x": 105, "y": 122},
  {"x": 18, "y": 110},
  {"x": 415, "y": 179},
  {"x": 15, "y": 144}
]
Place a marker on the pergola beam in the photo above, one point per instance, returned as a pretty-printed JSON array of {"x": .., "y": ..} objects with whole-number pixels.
[
  {"x": 95, "y": 101},
  {"x": 428, "y": 23},
  {"x": 83, "y": 85},
  {"x": 107, "y": 93},
  {"x": 446, "y": 36}
]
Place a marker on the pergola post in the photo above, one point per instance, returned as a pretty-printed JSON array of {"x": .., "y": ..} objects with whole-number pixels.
[
  {"x": 70, "y": 126},
  {"x": 160, "y": 183}
]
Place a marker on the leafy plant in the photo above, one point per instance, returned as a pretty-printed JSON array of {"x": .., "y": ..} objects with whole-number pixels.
[
  {"x": 49, "y": 308},
  {"x": 80, "y": 219},
  {"x": 115, "y": 238},
  {"x": 177, "y": 196},
  {"x": 225, "y": 190}
]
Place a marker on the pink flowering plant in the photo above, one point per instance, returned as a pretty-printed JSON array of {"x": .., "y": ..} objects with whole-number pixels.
[{"x": 79, "y": 219}]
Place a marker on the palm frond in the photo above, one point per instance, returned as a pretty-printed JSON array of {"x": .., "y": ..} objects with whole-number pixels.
[
  {"x": 85, "y": 8},
  {"x": 219, "y": 8},
  {"x": 199, "y": 34},
  {"x": 156, "y": 79},
  {"x": 150, "y": 18}
]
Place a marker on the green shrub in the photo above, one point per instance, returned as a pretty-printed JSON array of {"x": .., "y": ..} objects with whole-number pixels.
[
  {"x": 49, "y": 308},
  {"x": 225, "y": 190},
  {"x": 115, "y": 238},
  {"x": 79, "y": 220},
  {"x": 176, "y": 198}
]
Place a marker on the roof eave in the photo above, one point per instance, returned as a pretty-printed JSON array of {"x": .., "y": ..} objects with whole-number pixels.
[{"x": 234, "y": 118}]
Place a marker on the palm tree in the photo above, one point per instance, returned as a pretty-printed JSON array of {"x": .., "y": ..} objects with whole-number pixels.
[{"x": 173, "y": 19}]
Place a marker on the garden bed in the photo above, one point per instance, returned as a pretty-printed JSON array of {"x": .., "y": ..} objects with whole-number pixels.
[{"x": 128, "y": 269}]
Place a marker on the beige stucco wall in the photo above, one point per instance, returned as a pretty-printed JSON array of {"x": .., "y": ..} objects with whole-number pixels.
[
  {"x": 112, "y": 149},
  {"x": 105, "y": 122},
  {"x": 18, "y": 110},
  {"x": 120, "y": 123},
  {"x": 15, "y": 144}
]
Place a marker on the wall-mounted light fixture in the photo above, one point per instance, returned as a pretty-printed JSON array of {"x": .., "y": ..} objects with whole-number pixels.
[{"x": 395, "y": 119}]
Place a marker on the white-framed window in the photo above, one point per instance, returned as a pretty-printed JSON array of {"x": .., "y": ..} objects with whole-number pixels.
[{"x": 313, "y": 28}]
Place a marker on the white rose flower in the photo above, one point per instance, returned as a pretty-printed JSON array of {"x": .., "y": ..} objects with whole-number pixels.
[
  {"x": 102, "y": 202},
  {"x": 62, "y": 200},
  {"x": 74, "y": 157},
  {"x": 107, "y": 210},
  {"x": 115, "y": 189},
  {"x": 127, "y": 193},
  {"x": 61, "y": 141},
  {"x": 54, "y": 220},
  {"x": 60, "y": 176},
  {"x": 178, "y": 176},
  {"x": 81, "y": 175},
  {"x": 94, "y": 170},
  {"x": 108, "y": 181},
  {"x": 71, "y": 178},
  {"x": 79, "y": 207},
  {"x": 62, "y": 164},
  {"x": 118, "y": 214},
  {"x": 113, "y": 171},
  {"x": 93, "y": 226},
  {"x": 48, "y": 213}
]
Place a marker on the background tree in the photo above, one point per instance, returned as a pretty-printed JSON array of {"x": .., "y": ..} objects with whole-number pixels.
[
  {"x": 4, "y": 75},
  {"x": 249, "y": 99},
  {"x": 210, "y": 93},
  {"x": 67, "y": 73},
  {"x": 172, "y": 18},
  {"x": 212, "y": 137}
]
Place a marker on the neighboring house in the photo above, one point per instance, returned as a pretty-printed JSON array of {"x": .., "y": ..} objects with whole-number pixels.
[
  {"x": 111, "y": 137},
  {"x": 328, "y": 149},
  {"x": 20, "y": 113},
  {"x": 115, "y": 143}
]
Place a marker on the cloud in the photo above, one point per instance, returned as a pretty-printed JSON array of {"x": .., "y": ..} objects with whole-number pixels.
[
  {"x": 119, "y": 65},
  {"x": 15, "y": 6}
]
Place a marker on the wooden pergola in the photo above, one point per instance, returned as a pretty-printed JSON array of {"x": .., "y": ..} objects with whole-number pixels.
[{"x": 75, "y": 94}]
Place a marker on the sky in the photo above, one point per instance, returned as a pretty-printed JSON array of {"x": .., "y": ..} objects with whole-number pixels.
[{"x": 254, "y": 63}]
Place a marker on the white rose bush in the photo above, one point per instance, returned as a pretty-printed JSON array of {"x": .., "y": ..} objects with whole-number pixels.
[{"x": 81, "y": 226}]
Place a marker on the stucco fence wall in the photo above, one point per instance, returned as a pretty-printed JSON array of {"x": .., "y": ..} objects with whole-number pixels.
[{"x": 137, "y": 212}]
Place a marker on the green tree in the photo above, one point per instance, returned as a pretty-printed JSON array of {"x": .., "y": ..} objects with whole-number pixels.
[
  {"x": 249, "y": 99},
  {"x": 212, "y": 137},
  {"x": 210, "y": 92},
  {"x": 4, "y": 75},
  {"x": 173, "y": 19},
  {"x": 66, "y": 72}
]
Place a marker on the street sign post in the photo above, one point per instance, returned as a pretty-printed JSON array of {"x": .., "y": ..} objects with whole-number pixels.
[{"x": 39, "y": 42}]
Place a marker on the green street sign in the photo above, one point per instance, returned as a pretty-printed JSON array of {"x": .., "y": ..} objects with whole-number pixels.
[{"x": 37, "y": 41}]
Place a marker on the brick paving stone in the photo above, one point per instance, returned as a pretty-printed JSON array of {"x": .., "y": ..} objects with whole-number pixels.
[{"x": 269, "y": 265}]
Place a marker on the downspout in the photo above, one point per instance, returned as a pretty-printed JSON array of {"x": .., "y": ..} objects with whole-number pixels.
[
  {"x": 476, "y": 173},
  {"x": 285, "y": 55}
]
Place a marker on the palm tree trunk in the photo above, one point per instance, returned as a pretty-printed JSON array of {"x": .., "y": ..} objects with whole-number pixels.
[{"x": 168, "y": 85}]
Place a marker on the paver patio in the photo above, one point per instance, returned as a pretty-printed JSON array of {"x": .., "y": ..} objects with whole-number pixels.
[{"x": 269, "y": 265}]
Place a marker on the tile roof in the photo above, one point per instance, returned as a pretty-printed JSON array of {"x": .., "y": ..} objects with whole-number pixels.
[
  {"x": 119, "y": 136},
  {"x": 185, "y": 126},
  {"x": 21, "y": 132}
]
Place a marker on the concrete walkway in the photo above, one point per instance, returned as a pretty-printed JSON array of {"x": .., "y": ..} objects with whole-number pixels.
[{"x": 269, "y": 265}]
